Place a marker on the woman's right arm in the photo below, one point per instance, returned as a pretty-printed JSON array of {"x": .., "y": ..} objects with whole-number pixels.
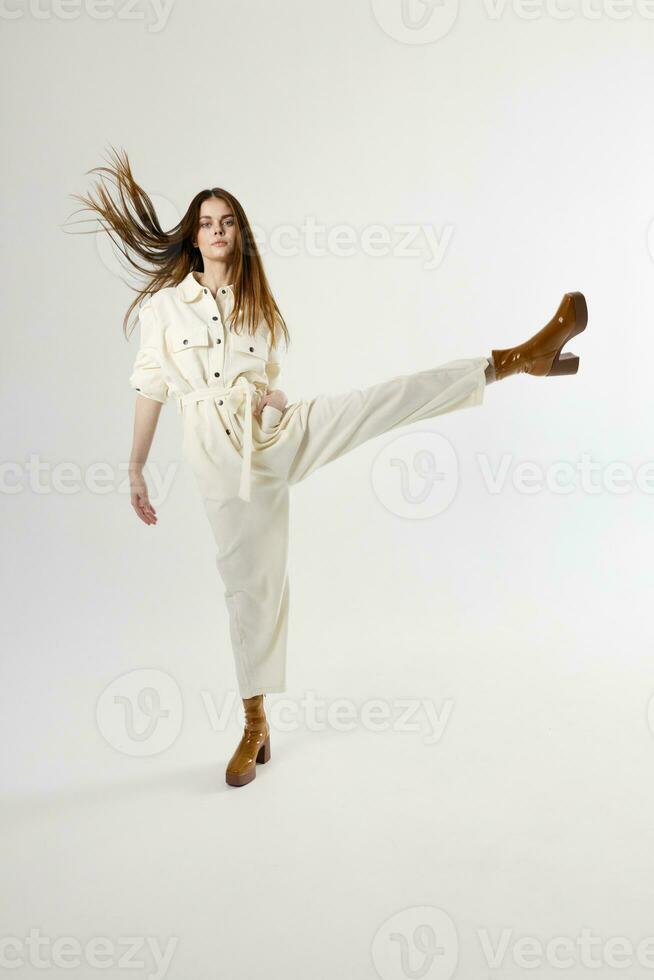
[
  {"x": 147, "y": 379},
  {"x": 146, "y": 416}
]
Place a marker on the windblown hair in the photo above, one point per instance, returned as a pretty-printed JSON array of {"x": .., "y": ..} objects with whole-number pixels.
[{"x": 166, "y": 257}]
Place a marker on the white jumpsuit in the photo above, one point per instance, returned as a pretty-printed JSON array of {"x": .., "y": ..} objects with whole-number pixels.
[{"x": 244, "y": 467}]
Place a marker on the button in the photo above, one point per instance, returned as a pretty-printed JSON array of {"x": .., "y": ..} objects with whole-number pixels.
[
  {"x": 251, "y": 349},
  {"x": 214, "y": 317},
  {"x": 204, "y": 290},
  {"x": 223, "y": 291},
  {"x": 220, "y": 401},
  {"x": 138, "y": 389},
  {"x": 228, "y": 432},
  {"x": 216, "y": 374},
  {"x": 185, "y": 341},
  {"x": 217, "y": 340}
]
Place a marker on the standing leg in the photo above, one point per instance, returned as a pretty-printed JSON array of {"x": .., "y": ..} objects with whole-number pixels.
[
  {"x": 327, "y": 426},
  {"x": 252, "y": 560}
]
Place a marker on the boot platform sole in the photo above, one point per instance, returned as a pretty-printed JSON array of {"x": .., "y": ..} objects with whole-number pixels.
[{"x": 243, "y": 778}]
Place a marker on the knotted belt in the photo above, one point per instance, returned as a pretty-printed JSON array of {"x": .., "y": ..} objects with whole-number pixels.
[{"x": 241, "y": 387}]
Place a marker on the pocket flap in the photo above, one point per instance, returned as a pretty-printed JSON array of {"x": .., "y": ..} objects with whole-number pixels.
[
  {"x": 180, "y": 338},
  {"x": 246, "y": 343}
]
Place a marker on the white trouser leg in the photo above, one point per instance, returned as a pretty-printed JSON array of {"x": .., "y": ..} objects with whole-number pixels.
[
  {"x": 327, "y": 426},
  {"x": 252, "y": 561}
]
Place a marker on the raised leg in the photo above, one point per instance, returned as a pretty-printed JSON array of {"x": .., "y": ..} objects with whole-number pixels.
[{"x": 330, "y": 425}]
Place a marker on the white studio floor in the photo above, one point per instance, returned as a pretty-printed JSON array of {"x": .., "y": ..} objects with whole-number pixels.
[{"x": 500, "y": 814}]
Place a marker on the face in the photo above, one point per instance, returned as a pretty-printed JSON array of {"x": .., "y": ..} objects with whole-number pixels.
[{"x": 216, "y": 232}]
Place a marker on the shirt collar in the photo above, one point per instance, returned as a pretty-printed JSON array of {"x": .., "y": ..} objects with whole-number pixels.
[{"x": 189, "y": 289}]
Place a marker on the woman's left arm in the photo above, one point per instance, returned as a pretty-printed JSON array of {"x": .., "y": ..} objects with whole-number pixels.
[{"x": 273, "y": 395}]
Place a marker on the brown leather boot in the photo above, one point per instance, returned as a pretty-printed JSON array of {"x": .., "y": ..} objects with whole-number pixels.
[
  {"x": 541, "y": 354},
  {"x": 254, "y": 745}
]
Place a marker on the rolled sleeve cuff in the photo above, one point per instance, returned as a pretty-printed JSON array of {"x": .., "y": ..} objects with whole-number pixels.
[
  {"x": 273, "y": 371},
  {"x": 146, "y": 378}
]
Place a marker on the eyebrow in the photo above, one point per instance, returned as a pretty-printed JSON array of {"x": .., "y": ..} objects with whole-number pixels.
[{"x": 227, "y": 215}]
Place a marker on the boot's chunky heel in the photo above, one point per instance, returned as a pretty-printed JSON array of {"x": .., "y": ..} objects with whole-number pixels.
[
  {"x": 564, "y": 364},
  {"x": 264, "y": 751},
  {"x": 541, "y": 354}
]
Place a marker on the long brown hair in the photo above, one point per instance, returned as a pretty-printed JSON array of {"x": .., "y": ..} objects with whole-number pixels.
[{"x": 165, "y": 258}]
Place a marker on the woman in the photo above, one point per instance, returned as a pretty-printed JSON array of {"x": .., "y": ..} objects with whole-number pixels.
[{"x": 211, "y": 337}]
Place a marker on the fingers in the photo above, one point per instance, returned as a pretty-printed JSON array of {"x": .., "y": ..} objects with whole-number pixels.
[
  {"x": 265, "y": 400},
  {"x": 276, "y": 398},
  {"x": 144, "y": 509}
]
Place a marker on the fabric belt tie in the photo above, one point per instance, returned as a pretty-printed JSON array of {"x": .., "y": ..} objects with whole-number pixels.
[{"x": 240, "y": 388}]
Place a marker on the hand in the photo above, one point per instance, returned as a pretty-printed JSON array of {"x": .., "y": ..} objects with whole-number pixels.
[
  {"x": 140, "y": 499},
  {"x": 276, "y": 397}
]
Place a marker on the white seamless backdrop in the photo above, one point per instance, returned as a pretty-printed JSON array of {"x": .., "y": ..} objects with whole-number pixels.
[{"x": 461, "y": 765}]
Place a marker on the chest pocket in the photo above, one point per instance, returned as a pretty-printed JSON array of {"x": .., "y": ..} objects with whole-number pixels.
[
  {"x": 248, "y": 353},
  {"x": 182, "y": 338}
]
